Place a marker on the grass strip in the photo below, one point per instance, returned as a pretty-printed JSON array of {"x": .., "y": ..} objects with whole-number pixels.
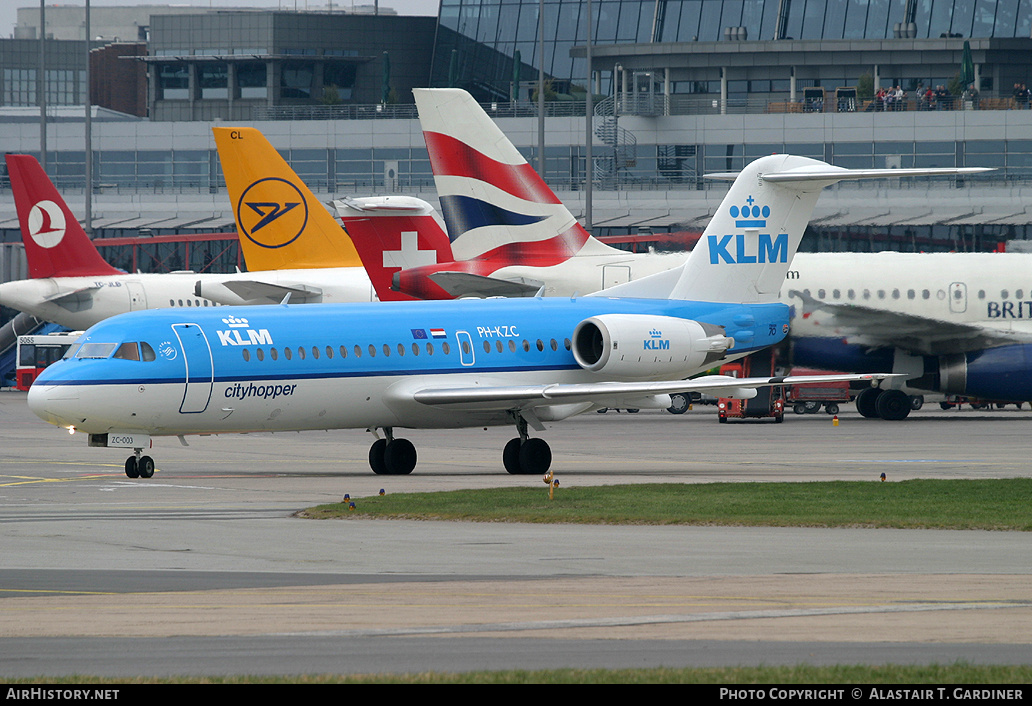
[{"x": 993, "y": 504}]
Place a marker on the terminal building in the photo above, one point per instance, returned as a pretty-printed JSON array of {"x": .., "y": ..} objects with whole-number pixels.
[{"x": 680, "y": 88}]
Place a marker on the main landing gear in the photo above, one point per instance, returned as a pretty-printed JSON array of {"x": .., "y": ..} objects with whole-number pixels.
[
  {"x": 397, "y": 457},
  {"x": 139, "y": 466},
  {"x": 524, "y": 455},
  {"x": 392, "y": 457},
  {"x": 892, "y": 405}
]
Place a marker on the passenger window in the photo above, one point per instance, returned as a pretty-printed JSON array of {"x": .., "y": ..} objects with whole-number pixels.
[
  {"x": 260, "y": 354},
  {"x": 1003, "y": 294},
  {"x": 287, "y": 353},
  {"x": 925, "y": 294},
  {"x": 247, "y": 355},
  {"x": 487, "y": 346},
  {"x": 526, "y": 346},
  {"x": 465, "y": 347},
  {"x": 429, "y": 348},
  {"x": 498, "y": 346},
  {"x": 555, "y": 346},
  {"x": 415, "y": 349},
  {"x": 512, "y": 346},
  {"x": 372, "y": 351},
  {"x": 358, "y": 351},
  {"x": 445, "y": 348},
  {"x": 300, "y": 353},
  {"x": 401, "y": 349},
  {"x": 315, "y": 352},
  {"x": 274, "y": 354},
  {"x": 343, "y": 352},
  {"x": 128, "y": 351},
  {"x": 386, "y": 349},
  {"x": 329, "y": 351},
  {"x": 567, "y": 343},
  {"x": 540, "y": 345}
]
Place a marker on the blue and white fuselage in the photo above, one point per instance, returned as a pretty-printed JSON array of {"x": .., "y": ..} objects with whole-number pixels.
[{"x": 361, "y": 366}]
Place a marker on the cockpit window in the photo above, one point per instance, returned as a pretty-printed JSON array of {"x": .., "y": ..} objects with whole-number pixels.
[
  {"x": 147, "y": 353},
  {"x": 72, "y": 349},
  {"x": 96, "y": 350},
  {"x": 128, "y": 351}
]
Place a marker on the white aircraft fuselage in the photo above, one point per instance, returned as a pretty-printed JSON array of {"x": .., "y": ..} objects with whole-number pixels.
[{"x": 80, "y": 302}]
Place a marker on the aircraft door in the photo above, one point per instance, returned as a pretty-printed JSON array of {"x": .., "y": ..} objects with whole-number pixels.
[
  {"x": 200, "y": 370},
  {"x": 466, "y": 353},
  {"x": 137, "y": 296},
  {"x": 615, "y": 274},
  {"x": 958, "y": 297}
]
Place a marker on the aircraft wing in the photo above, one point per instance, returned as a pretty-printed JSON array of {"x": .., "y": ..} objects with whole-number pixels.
[
  {"x": 71, "y": 299},
  {"x": 465, "y": 284},
  {"x": 518, "y": 397},
  {"x": 920, "y": 334},
  {"x": 256, "y": 290}
]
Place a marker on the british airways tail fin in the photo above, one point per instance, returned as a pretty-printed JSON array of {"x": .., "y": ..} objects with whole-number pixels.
[
  {"x": 55, "y": 243},
  {"x": 490, "y": 196},
  {"x": 747, "y": 248},
  {"x": 281, "y": 223},
  {"x": 394, "y": 233}
]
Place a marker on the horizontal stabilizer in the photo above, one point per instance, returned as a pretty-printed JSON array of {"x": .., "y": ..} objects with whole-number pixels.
[
  {"x": 258, "y": 291},
  {"x": 466, "y": 284}
]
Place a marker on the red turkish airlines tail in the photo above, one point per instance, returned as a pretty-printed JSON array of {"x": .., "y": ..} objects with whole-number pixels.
[{"x": 55, "y": 243}]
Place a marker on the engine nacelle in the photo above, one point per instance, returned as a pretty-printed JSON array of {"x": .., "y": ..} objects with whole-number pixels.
[{"x": 635, "y": 346}]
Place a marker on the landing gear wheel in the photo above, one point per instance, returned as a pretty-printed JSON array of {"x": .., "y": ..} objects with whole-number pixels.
[
  {"x": 893, "y": 405},
  {"x": 376, "y": 457},
  {"x": 511, "y": 456},
  {"x": 145, "y": 467},
  {"x": 917, "y": 402},
  {"x": 132, "y": 469},
  {"x": 678, "y": 403},
  {"x": 535, "y": 456},
  {"x": 865, "y": 402},
  {"x": 399, "y": 457}
]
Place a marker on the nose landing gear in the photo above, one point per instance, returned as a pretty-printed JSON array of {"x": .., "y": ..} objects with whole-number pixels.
[{"x": 139, "y": 466}]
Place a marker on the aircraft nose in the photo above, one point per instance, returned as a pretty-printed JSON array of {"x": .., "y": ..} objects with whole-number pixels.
[{"x": 54, "y": 403}]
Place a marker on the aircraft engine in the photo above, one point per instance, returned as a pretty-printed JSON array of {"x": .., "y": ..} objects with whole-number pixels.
[{"x": 633, "y": 346}]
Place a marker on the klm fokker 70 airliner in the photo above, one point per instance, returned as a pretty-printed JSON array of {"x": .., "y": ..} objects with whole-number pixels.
[{"x": 452, "y": 364}]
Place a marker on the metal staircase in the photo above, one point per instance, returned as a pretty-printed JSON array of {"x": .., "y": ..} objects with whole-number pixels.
[{"x": 622, "y": 144}]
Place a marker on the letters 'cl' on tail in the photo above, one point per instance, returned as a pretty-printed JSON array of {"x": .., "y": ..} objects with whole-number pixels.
[
  {"x": 55, "y": 243},
  {"x": 282, "y": 225}
]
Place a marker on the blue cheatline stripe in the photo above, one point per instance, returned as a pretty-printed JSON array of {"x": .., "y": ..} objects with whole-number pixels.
[{"x": 464, "y": 213}]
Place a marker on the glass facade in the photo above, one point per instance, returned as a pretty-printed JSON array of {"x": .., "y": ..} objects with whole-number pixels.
[{"x": 480, "y": 40}]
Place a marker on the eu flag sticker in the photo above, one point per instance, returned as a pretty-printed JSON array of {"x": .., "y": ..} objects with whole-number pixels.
[{"x": 419, "y": 333}]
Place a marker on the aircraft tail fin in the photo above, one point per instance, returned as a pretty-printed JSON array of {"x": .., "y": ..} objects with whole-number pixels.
[
  {"x": 282, "y": 225},
  {"x": 55, "y": 243},
  {"x": 394, "y": 233},
  {"x": 747, "y": 248},
  {"x": 491, "y": 198}
]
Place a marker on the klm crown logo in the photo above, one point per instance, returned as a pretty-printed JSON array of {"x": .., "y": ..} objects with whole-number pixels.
[
  {"x": 747, "y": 248},
  {"x": 748, "y": 216},
  {"x": 655, "y": 341}
]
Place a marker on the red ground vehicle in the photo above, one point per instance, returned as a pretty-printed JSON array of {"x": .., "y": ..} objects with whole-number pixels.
[
  {"x": 808, "y": 398},
  {"x": 768, "y": 401}
]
